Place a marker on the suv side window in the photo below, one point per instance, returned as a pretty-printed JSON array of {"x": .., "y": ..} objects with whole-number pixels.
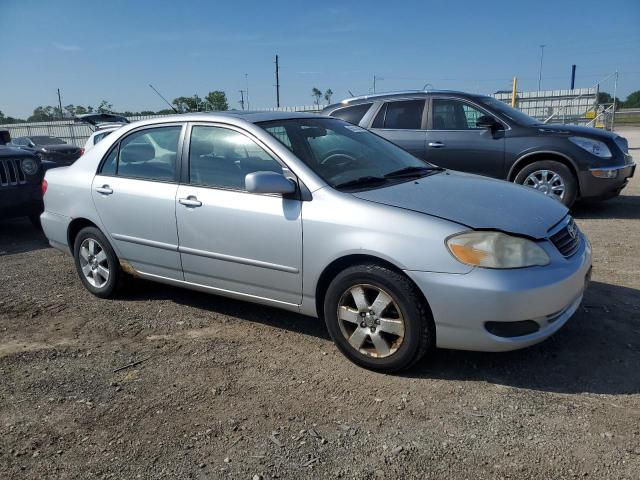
[
  {"x": 221, "y": 158},
  {"x": 401, "y": 115},
  {"x": 148, "y": 154},
  {"x": 449, "y": 114},
  {"x": 352, "y": 114}
]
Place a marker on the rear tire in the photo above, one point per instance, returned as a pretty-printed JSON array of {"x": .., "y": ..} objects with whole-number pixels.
[
  {"x": 96, "y": 263},
  {"x": 378, "y": 319},
  {"x": 550, "y": 177}
]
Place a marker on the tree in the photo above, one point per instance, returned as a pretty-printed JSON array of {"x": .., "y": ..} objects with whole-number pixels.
[
  {"x": 6, "y": 120},
  {"x": 327, "y": 95},
  {"x": 104, "y": 107},
  {"x": 604, "y": 97},
  {"x": 633, "y": 100},
  {"x": 217, "y": 100},
  {"x": 188, "y": 104},
  {"x": 317, "y": 94}
]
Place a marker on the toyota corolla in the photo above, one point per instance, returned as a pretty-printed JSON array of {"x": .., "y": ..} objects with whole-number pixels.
[{"x": 322, "y": 217}]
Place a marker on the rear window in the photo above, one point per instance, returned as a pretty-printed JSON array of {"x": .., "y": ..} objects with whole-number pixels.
[{"x": 352, "y": 114}]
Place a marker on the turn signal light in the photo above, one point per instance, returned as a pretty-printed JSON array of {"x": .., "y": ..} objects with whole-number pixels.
[{"x": 44, "y": 186}]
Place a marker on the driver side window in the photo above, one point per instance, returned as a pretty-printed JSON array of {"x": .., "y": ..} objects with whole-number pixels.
[{"x": 221, "y": 158}]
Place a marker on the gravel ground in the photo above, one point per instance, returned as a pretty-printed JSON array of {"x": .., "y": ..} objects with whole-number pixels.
[{"x": 226, "y": 389}]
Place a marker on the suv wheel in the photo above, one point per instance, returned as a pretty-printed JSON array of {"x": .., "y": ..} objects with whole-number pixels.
[
  {"x": 377, "y": 318},
  {"x": 96, "y": 262},
  {"x": 554, "y": 179}
]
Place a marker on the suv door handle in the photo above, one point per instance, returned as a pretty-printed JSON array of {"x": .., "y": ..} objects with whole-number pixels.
[
  {"x": 104, "y": 190},
  {"x": 436, "y": 144},
  {"x": 190, "y": 201}
]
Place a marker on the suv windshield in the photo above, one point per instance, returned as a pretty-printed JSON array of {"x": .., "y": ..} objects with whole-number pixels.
[
  {"x": 508, "y": 111},
  {"x": 346, "y": 156},
  {"x": 47, "y": 141}
]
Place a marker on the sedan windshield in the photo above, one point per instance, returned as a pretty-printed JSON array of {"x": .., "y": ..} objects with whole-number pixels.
[
  {"x": 346, "y": 156},
  {"x": 511, "y": 113}
]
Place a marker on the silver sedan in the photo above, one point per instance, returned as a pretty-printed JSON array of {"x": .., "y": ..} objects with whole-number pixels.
[{"x": 319, "y": 216}]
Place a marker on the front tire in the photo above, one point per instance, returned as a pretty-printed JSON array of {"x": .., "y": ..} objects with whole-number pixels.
[
  {"x": 378, "y": 319},
  {"x": 552, "y": 178},
  {"x": 96, "y": 263}
]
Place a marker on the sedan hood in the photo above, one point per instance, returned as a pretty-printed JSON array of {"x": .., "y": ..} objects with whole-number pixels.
[{"x": 476, "y": 202}]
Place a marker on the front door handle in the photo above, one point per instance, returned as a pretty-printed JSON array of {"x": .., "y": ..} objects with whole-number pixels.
[
  {"x": 104, "y": 190},
  {"x": 190, "y": 201},
  {"x": 436, "y": 144}
]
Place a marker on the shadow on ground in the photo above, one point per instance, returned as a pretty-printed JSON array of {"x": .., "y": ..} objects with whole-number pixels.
[
  {"x": 621, "y": 207},
  {"x": 20, "y": 236},
  {"x": 598, "y": 351}
]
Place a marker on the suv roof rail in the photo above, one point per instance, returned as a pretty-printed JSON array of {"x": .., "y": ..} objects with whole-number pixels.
[{"x": 381, "y": 94}]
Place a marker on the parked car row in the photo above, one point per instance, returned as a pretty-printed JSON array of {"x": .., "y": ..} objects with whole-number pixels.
[
  {"x": 320, "y": 216},
  {"x": 482, "y": 135}
]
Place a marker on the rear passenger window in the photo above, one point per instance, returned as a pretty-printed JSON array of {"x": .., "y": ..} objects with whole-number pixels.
[
  {"x": 221, "y": 158},
  {"x": 147, "y": 154},
  {"x": 401, "y": 115},
  {"x": 352, "y": 114}
]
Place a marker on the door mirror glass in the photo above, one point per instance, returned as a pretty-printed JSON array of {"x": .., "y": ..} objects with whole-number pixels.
[
  {"x": 486, "y": 121},
  {"x": 268, "y": 182}
]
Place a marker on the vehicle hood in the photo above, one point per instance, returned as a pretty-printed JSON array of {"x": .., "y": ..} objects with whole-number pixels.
[
  {"x": 577, "y": 130},
  {"x": 476, "y": 202}
]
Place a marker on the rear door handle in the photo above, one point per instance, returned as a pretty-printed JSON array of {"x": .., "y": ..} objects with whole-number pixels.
[
  {"x": 104, "y": 190},
  {"x": 436, "y": 144},
  {"x": 190, "y": 201}
]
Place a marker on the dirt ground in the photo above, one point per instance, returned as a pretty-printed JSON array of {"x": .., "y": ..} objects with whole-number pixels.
[{"x": 226, "y": 389}]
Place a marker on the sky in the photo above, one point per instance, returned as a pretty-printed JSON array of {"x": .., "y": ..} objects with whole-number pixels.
[{"x": 93, "y": 50}]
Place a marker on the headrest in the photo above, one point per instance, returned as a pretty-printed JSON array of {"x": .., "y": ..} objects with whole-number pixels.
[{"x": 137, "y": 152}]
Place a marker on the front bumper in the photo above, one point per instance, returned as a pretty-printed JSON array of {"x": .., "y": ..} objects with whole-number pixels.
[
  {"x": 594, "y": 187},
  {"x": 462, "y": 304},
  {"x": 20, "y": 201}
]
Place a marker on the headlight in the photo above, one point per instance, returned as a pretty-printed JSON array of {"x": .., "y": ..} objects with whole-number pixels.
[
  {"x": 29, "y": 166},
  {"x": 596, "y": 147},
  {"x": 496, "y": 250}
]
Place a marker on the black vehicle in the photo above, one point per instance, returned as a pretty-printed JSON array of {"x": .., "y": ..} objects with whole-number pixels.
[
  {"x": 482, "y": 135},
  {"x": 21, "y": 175},
  {"x": 50, "y": 148}
]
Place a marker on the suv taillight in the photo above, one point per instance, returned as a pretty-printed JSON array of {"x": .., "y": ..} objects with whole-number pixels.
[
  {"x": 44, "y": 186},
  {"x": 81, "y": 151}
]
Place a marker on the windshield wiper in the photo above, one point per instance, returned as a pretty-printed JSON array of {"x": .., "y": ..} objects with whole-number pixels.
[
  {"x": 413, "y": 171},
  {"x": 362, "y": 182}
]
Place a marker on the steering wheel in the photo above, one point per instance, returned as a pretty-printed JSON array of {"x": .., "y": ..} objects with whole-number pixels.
[{"x": 338, "y": 158}]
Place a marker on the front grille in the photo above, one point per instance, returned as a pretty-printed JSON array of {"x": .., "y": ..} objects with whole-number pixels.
[
  {"x": 11, "y": 173},
  {"x": 567, "y": 239}
]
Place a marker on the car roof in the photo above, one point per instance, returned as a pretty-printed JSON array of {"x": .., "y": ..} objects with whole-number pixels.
[
  {"x": 231, "y": 115},
  {"x": 396, "y": 95}
]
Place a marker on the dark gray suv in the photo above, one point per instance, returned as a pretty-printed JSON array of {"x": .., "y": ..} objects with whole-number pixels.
[{"x": 482, "y": 135}]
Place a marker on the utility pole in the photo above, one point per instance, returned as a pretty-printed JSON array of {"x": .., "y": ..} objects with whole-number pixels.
[
  {"x": 277, "y": 82},
  {"x": 573, "y": 77},
  {"x": 374, "y": 83},
  {"x": 241, "y": 99},
  {"x": 60, "y": 104},
  {"x": 540, "y": 69},
  {"x": 246, "y": 81}
]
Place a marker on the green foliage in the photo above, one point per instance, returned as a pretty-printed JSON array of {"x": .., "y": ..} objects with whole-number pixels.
[
  {"x": 6, "y": 120},
  {"x": 327, "y": 95},
  {"x": 217, "y": 100},
  {"x": 633, "y": 100},
  {"x": 604, "y": 97}
]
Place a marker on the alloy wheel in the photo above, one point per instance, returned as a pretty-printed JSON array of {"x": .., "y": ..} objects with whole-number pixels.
[
  {"x": 94, "y": 262},
  {"x": 548, "y": 182},
  {"x": 371, "y": 321}
]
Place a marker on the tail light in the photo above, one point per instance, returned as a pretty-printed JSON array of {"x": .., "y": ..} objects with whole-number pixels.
[
  {"x": 44, "y": 186},
  {"x": 81, "y": 151}
]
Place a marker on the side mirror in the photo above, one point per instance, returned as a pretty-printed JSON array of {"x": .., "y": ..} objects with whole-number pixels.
[
  {"x": 486, "y": 121},
  {"x": 268, "y": 182}
]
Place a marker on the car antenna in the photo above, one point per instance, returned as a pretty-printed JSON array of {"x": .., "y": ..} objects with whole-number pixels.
[{"x": 166, "y": 101}]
